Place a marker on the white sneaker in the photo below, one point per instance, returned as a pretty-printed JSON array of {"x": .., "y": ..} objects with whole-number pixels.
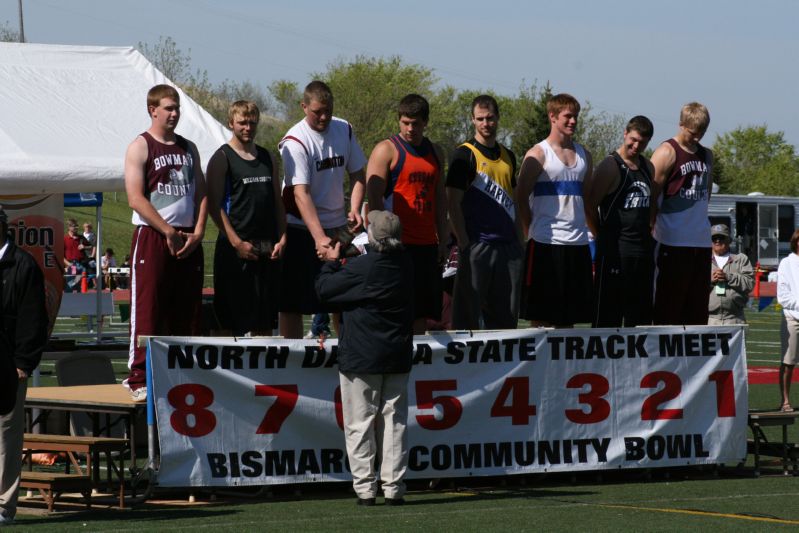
[
  {"x": 309, "y": 335},
  {"x": 139, "y": 395},
  {"x": 5, "y": 520}
]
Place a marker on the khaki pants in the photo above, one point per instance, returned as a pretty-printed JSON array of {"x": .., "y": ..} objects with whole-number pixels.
[
  {"x": 375, "y": 408},
  {"x": 789, "y": 335},
  {"x": 12, "y": 432}
]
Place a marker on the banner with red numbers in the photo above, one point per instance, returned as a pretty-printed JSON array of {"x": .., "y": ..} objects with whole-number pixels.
[{"x": 266, "y": 411}]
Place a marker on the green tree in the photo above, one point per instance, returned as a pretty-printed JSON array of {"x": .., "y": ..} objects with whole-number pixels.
[
  {"x": 8, "y": 34},
  {"x": 753, "y": 159},
  {"x": 368, "y": 89},
  {"x": 600, "y": 133},
  {"x": 176, "y": 65},
  {"x": 524, "y": 118}
]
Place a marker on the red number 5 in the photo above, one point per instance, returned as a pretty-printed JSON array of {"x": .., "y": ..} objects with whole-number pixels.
[{"x": 450, "y": 405}]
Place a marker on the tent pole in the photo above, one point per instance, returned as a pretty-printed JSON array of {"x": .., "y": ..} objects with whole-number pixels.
[{"x": 98, "y": 287}]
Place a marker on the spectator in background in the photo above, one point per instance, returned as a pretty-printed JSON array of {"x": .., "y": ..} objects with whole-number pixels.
[
  {"x": 732, "y": 279},
  {"x": 75, "y": 259},
  {"x": 108, "y": 261},
  {"x": 91, "y": 238},
  {"x": 375, "y": 292},
  {"x": 788, "y": 297},
  {"x": 122, "y": 279}
]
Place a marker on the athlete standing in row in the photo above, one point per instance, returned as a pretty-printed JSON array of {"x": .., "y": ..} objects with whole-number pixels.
[
  {"x": 166, "y": 189},
  {"x": 550, "y": 201},
  {"x": 682, "y": 186},
  {"x": 404, "y": 176},
  {"x": 244, "y": 196},
  {"x": 316, "y": 153},
  {"x": 617, "y": 199},
  {"x": 482, "y": 211}
]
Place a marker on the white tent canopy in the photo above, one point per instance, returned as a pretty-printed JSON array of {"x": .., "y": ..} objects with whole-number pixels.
[{"x": 68, "y": 113}]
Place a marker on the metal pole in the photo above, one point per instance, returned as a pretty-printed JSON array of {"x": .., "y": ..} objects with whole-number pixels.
[{"x": 21, "y": 25}]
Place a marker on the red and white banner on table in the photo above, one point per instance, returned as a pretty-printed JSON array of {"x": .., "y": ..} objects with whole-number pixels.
[{"x": 264, "y": 411}]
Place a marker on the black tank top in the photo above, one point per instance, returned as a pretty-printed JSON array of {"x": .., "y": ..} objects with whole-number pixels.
[
  {"x": 249, "y": 198},
  {"x": 624, "y": 213}
]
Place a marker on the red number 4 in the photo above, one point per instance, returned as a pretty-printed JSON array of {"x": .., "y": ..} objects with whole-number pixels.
[{"x": 520, "y": 409}]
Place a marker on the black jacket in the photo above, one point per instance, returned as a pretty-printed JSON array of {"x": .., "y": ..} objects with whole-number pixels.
[
  {"x": 23, "y": 319},
  {"x": 375, "y": 293}
]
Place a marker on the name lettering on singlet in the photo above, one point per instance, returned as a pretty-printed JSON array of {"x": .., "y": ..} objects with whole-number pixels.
[
  {"x": 330, "y": 162},
  {"x": 257, "y": 179},
  {"x": 421, "y": 177},
  {"x": 492, "y": 188},
  {"x": 172, "y": 160},
  {"x": 638, "y": 197},
  {"x": 697, "y": 191},
  {"x": 693, "y": 166}
]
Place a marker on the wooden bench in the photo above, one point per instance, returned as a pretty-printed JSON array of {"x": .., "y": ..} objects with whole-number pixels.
[
  {"x": 49, "y": 484},
  {"x": 760, "y": 445},
  {"x": 90, "y": 447}
]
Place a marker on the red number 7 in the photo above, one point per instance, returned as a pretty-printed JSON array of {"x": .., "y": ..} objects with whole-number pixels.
[{"x": 285, "y": 400}]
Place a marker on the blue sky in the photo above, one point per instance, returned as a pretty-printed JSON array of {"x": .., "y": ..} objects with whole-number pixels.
[{"x": 737, "y": 57}]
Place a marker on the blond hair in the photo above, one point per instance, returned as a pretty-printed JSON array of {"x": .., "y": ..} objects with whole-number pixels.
[
  {"x": 245, "y": 108},
  {"x": 694, "y": 116}
]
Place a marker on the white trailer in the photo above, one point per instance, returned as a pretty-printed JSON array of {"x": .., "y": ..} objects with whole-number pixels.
[{"x": 760, "y": 226}]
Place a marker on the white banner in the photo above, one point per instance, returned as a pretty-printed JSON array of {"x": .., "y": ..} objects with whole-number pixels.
[{"x": 254, "y": 412}]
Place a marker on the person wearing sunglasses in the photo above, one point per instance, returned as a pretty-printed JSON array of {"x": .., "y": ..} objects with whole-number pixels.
[{"x": 731, "y": 280}]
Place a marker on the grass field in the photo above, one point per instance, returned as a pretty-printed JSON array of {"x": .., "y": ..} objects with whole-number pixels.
[{"x": 701, "y": 499}]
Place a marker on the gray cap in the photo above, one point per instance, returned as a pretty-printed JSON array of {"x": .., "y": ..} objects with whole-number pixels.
[
  {"x": 720, "y": 229},
  {"x": 384, "y": 224}
]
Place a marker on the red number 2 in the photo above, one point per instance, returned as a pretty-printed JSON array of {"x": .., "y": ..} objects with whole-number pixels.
[{"x": 671, "y": 389}]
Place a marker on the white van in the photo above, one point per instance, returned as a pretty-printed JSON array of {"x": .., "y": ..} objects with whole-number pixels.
[{"x": 760, "y": 226}]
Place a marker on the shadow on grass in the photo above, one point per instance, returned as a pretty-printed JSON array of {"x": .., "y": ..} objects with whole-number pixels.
[{"x": 140, "y": 516}]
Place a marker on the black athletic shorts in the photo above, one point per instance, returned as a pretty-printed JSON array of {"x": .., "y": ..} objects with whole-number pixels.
[
  {"x": 301, "y": 266},
  {"x": 623, "y": 289},
  {"x": 245, "y": 292},
  {"x": 557, "y": 284},
  {"x": 427, "y": 283}
]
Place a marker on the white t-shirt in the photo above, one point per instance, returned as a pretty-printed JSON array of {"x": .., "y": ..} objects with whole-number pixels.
[
  {"x": 788, "y": 285},
  {"x": 320, "y": 160},
  {"x": 721, "y": 260}
]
